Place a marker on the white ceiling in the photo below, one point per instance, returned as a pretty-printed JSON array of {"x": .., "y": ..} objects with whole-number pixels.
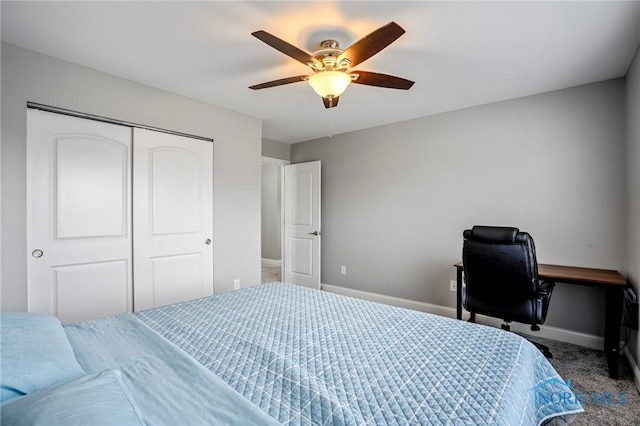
[{"x": 459, "y": 54}]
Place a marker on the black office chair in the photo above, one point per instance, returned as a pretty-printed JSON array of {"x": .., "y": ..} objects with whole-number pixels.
[{"x": 501, "y": 277}]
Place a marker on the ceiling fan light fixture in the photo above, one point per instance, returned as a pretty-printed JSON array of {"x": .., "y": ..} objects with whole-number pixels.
[
  {"x": 330, "y": 64},
  {"x": 330, "y": 84}
]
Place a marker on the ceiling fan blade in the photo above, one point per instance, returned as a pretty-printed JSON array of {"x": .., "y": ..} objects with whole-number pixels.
[
  {"x": 381, "y": 80},
  {"x": 279, "y": 82},
  {"x": 284, "y": 47},
  {"x": 371, "y": 44},
  {"x": 331, "y": 102}
]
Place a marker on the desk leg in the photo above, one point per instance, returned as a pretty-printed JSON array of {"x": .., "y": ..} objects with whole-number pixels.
[
  {"x": 459, "y": 293},
  {"x": 613, "y": 321}
]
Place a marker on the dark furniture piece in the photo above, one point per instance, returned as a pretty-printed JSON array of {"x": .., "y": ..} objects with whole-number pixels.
[
  {"x": 613, "y": 283},
  {"x": 502, "y": 277}
]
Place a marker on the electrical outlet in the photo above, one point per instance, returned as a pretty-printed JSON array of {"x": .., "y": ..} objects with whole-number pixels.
[
  {"x": 453, "y": 285},
  {"x": 343, "y": 270},
  {"x": 236, "y": 284}
]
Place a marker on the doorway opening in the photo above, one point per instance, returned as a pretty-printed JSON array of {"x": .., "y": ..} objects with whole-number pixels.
[{"x": 271, "y": 219}]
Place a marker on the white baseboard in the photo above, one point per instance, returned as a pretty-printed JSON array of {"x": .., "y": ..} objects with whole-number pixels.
[
  {"x": 634, "y": 368},
  {"x": 390, "y": 300},
  {"x": 547, "y": 332},
  {"x": 272, "y": 262}
]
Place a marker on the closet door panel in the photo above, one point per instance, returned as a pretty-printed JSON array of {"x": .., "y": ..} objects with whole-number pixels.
[
  {"x": 90, "y": 178},
  {"x": 177, "y": 278},
  {"x": 174, "y": 179},
  {"x": 79, "y": 220},
  {"x": 77, "y": 285},
  {"x": 173, "y": 218}
]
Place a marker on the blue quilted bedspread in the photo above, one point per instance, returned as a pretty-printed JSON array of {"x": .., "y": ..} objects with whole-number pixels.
[{"x": 311, "y": 357}]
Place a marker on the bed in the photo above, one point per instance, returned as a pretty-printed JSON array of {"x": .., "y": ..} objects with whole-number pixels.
[{"x": 284, "y": 354}]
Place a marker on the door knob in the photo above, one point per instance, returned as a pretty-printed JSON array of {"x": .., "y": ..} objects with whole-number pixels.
[
  {"x": 315, "y": 233},
  {"x": 37, "y": 253},
  {"x": 207, "y": 241}
]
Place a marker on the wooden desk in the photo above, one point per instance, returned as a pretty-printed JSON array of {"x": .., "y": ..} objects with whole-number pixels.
[{"x": 611, "y": 281}]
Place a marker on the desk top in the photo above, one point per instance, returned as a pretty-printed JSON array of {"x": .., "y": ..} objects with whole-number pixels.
[{"x": 577, "y": 275}]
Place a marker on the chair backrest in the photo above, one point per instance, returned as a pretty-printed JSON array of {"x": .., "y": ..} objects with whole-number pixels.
[{"x": 501, "y": 273}]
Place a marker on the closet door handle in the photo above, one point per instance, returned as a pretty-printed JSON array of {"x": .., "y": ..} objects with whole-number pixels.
[
  {"x": 37, "y": 253},
  {"x": 207, "y": 241}
]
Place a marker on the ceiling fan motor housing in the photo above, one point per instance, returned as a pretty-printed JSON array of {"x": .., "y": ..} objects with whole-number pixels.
[{"x": 326, "y": 58}]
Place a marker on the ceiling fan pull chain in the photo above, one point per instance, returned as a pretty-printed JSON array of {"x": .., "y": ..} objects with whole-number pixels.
[{"x": 330, "y": 122}]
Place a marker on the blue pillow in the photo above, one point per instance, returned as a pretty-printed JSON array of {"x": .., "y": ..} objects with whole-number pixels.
[
  {"x": 34, "y": 354},
  {"x": 97, "y": 399}
]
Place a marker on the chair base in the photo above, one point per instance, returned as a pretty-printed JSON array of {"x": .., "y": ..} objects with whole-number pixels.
[
  {"x": 543, "y": 348},
  {"x": 506, "y": 327}
]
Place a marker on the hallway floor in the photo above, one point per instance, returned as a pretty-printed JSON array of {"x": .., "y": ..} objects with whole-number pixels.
[{"x": 270, "y": 273}]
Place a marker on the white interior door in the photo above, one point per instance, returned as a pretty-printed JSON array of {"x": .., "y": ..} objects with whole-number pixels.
[
  {"x": 172, "y": 218},
  {"x": 302, "y": 231},
  {"x": 79, "y": 217}
]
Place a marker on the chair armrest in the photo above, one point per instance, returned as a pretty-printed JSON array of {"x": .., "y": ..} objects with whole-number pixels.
[
  {"x": 545, "y": 288},
  {"x": 544, "y": 296}
]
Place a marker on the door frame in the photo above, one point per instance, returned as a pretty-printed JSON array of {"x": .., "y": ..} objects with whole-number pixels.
[{"x": 277, "y": 162}]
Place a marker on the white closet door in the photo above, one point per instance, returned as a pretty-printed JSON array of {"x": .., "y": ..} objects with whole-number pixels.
[
  {"x": 79, "y": 217},
  {"x": 172, "y": 218}
]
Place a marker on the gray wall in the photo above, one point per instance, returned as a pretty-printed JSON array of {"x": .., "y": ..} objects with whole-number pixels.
[
  {"x": 396, "y": 198},
  {"x": 275, "y": 149},
  {"x": 29, "y": 76},
  {"x": 633, "y": 185}
]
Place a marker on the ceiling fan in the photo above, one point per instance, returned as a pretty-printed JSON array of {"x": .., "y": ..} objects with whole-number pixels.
[{"x": 331, "y": 64}]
